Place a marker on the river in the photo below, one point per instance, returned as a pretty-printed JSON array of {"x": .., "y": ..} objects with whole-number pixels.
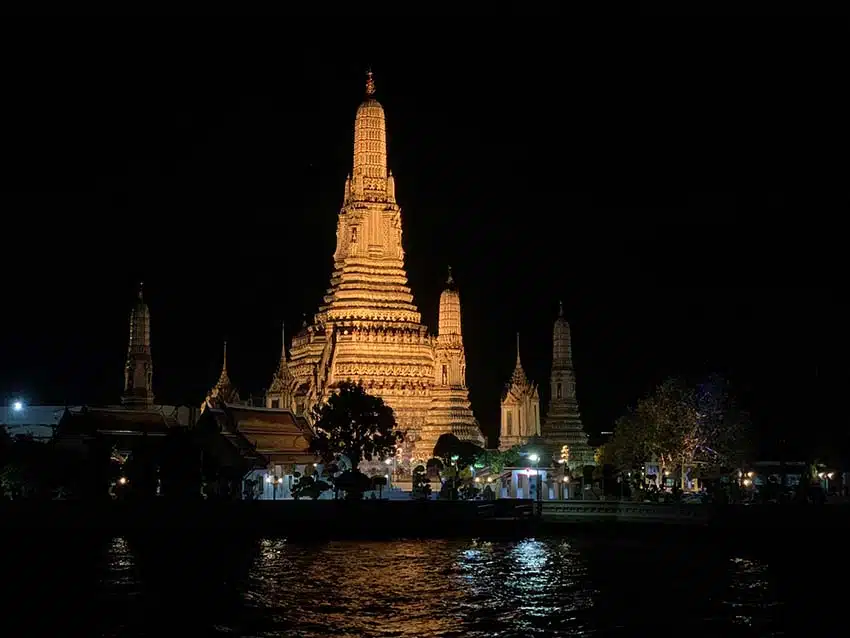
[{"x": 566, "y": 586}]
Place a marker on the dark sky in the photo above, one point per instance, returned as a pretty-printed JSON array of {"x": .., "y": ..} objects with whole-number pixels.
[{"x": 674, "y": 187}]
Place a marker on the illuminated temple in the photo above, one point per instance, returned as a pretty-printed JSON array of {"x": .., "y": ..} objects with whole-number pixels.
[{"x": 368, "y": 328}]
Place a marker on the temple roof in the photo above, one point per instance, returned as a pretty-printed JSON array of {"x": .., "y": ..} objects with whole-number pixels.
[
  {"x": 119, "y": 420},
  {"x": 519, "y": 383},
  {"x": 279, "y": 435},
  {"x": 224, "y": 390}
]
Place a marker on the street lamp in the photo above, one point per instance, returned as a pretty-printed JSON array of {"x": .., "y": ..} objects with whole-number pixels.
[
  {"x": 17, "y": 406},
  {"x": 390, "y": 460}
]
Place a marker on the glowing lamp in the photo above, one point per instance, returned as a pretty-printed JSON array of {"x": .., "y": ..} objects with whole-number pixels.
[
  {"x": 17, "y": 406},
  {"x": 534, "y": 458}
]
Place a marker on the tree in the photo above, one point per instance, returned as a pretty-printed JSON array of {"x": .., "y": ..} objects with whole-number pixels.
[
  {"x": 310, "y": 486},
  {"x": 356, "y": 425},
  {"x": 498, "y": 460},
  {"x": 680, "y": 426},
  {"x": 451, "y": 450}
]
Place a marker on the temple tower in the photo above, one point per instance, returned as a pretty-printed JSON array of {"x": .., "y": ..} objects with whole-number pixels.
[
  {"x": 520, "y": 408},
  {"x": 450, "y": 409},
  {"x": 138, "y": 369},
  {"x": 368, "y": 328},
  {"x": 281, "y": 392},
  {"x": 223, "y": 391},
  {"x": 562, "y": 426}
]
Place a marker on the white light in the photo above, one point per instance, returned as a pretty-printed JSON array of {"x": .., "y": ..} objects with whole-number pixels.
[
  {"x": 389, "y": 461},
  {"x": 17, "y": 406},
  {"x": 268, "y": 478},
  {"x": 534, "y": 458},
  {"x": 122, "y": 480},
  {"x": 386, "y": 476}
]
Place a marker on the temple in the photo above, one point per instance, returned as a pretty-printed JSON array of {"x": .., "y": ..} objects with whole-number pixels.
[
  {"x": 138, "y": 369},
  {"x": 281, "y": 392},
  {"x": 450, "y": 409},
  {"x": 562, "y": 428},
  {"x": 223, "y": 391},
  {"x": 520, "y": 408},
  {"x": 368, "y": 328}
]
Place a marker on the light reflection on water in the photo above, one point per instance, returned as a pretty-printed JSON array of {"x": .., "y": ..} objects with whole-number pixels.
[{"x": 533, "y": 587}]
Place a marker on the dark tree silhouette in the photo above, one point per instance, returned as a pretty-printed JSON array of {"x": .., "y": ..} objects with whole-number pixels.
[
  {"x": 356, "y": 425},
  {"x": 448, "y": 446}
]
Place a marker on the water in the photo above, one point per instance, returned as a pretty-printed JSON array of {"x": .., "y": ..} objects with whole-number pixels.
[{"x": 570, "y": 586}]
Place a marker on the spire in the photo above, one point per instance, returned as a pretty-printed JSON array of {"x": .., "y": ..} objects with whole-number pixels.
[
  {"x": 519, "y": 381},
  {"x": 449, "y": 320},
  {"x": 223, "y": 391},
  {"x": 518, "y": 362},
  {"x": 370, "y": 83},
  {"x": 369, "y": 172},
  {"x": 138, "y": 368},
  {"x": 280, "y": 392},
  {"x": 561, "y": 341},
  {"x": 141, "y": 289}
]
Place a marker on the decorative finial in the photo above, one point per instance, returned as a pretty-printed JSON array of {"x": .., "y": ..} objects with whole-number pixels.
[
  {"x": 560, "y": 308},
  {"x": 370, "y": 83},
  {"x": 450, "y": 280},
  {"x": 303, "y": 319},
  {"x": 224, "y": 363},
  {"x": 141, "y": 288},
  {"x": 517, "y": 351},
  {"x": 283, "y": 339}
]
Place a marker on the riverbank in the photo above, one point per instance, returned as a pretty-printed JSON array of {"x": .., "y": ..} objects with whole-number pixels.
[
  {"x": 395, "y": 519},
  {"x": 296, "y": 519}
]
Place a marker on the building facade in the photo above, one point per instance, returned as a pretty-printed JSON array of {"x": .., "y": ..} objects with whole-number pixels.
[
  {"x": 563, "y": 431},
  {"x": 520, "y": 408},
  {"x": 368, "y": 328}
]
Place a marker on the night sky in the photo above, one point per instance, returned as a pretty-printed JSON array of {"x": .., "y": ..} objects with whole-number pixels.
[{"x": 674, "y": 192}]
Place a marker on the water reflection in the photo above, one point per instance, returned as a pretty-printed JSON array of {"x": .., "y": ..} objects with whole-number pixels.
[
  {"x": 358, "y": 589},
  {"x": 534, "y": 587},
  {"x": 750, "y": 594}
]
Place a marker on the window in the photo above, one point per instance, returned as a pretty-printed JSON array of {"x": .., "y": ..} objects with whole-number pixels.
[
  {"x": 558, "y": 391},
  {"x": 519, "y": 421},
  {"x": 354, "y": 234},
  {"x": 275, "y": 403},
  {"x": 510, "y": 424},
  {"x": 445, "y": 375}
]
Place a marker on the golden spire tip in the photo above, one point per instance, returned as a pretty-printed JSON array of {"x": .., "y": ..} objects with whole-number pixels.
[
  {"x": 370, "y": 83},
  {"x": 560, "y": 308},
  {"x": 450, "y": 280}
]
